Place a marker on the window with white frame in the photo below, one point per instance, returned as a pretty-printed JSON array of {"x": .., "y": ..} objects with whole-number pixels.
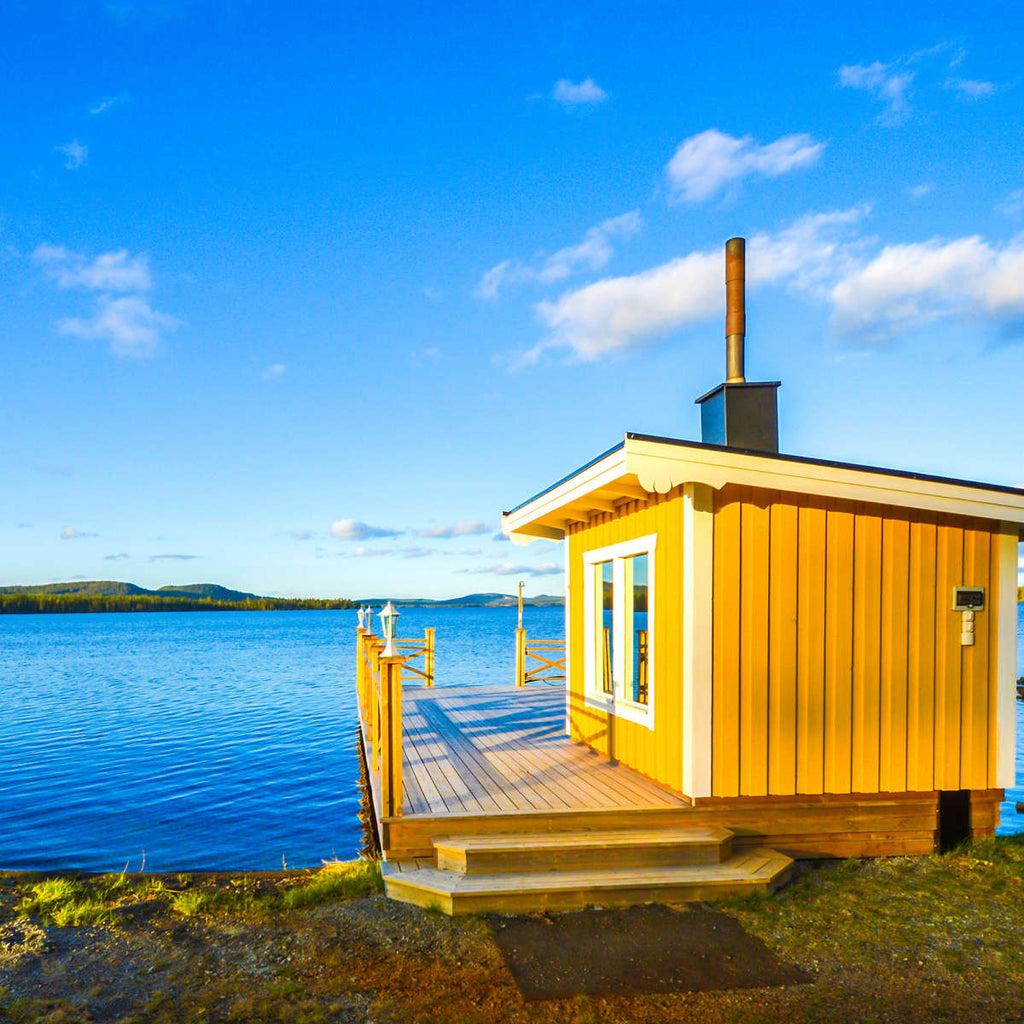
[{"x": 619, "y": 598}]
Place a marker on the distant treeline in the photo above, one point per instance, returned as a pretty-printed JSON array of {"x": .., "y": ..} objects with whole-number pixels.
[
  {"x": 28, "y": 604},
  {"x": 1020, "y": 594}
]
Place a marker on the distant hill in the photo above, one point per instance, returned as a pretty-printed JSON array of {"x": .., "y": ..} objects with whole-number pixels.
[
  {"x": 211, "y": 590},
  {"x": 90, "y": 588},
  {"x": 111, "y": 588},
  {"x": 215, "y": 592}
]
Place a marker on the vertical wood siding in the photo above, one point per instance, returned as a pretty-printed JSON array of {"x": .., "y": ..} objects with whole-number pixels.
[
  {"x": 658, "y": 752},
  {"x": 838, "y": 666}
]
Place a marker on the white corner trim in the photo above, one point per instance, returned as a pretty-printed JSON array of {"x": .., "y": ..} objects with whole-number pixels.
[
  {"x": 698, "y": 584},
  {"x": 568, "y": 637},
  {"x": 1006, "y": 659}
]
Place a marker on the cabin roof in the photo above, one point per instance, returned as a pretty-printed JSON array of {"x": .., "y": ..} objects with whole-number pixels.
[{"x": 643, "y": 464}]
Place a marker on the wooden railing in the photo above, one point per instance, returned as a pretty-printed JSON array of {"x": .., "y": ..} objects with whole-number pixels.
[
  {"x": 379, "y": 689},
  {"x": 550, "y": 654},
  {"x": 410, "y": 649}
]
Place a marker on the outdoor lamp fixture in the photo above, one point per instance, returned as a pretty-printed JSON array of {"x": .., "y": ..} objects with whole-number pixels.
[
  {"x": 388, "y": 618},
  {"x": 362, "y": 617}
]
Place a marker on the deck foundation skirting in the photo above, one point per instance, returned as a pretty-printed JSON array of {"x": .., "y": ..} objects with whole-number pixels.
[{"x": 805, "y": 828}]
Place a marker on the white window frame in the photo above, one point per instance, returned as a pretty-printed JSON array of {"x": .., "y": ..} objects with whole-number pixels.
[{"x": 617, "y": 702}]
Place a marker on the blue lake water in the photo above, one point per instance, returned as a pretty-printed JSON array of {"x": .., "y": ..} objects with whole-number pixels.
[
  {"x": 214, "y": 739},
  {"x": 205, "y": 739}
]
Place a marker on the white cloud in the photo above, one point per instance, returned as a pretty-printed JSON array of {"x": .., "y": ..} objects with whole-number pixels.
[
  {"x": 889, "y": 82},
  {"x": 918, "y": 192},
  {"x": 464, "y": 529},
  {"x": 301, "y": 535},
  {"x": 971, "y": 88},
  {"x": 75, "y": 153},
  {"x": 415, "y": 551},
  {"x": 593, "y": 252},
  {"x": 571, "y": 94},
  {"x": 172, "y": 558},
  {"x": 117, "y": 557},
  {"x": 272, "y": 372},
  {"x": 351, "y": 529},
  {"x": 362, "y": 552},
  {"x": 116, "y": 271},
  {"x": 104, "y": 105},
  {"x": 513, "y": 569},
  {"x": 708, "y": 162},
  {"x": 129, "y": 323},
  {"x": 905, "y": 286},
  {"x": 68, "y": 533},
  {"x": 1014, "y": 205},
  {"x": 616, "y": 314}
]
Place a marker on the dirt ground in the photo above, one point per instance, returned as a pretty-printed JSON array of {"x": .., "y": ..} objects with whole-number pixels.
[{"x": 904, "y": 940}]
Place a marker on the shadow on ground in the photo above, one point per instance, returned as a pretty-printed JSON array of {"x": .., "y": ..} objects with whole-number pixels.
[{"x": 642, "y": 949}]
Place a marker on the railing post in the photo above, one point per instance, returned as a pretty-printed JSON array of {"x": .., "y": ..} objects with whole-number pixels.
[
  {"x": 361, "y": 677},
  {"x": 391, "y": 727},
  {"x": 376, "y": 691},
  {"x": 428, "y": 656},
  {"x": 520, "y": 657}
]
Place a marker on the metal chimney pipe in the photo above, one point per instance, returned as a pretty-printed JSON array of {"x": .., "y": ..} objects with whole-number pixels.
[{"x": 735, "y": 309}]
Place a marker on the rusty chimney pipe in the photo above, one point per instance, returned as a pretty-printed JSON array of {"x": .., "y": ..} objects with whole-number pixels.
[{"x": 735, "y": 309}]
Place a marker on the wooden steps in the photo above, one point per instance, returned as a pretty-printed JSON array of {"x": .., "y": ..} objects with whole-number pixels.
[
  {"x": 551, "y": 851},
  {"x": 571, "y": 870}
]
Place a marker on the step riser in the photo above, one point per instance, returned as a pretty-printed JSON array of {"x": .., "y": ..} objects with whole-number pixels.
[
  {"x": 568, "y": 858},
  {"x": 576, "y": 899},
  {"x": 579, "y": 899}
]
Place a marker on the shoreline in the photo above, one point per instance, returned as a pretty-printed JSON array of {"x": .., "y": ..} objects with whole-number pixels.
[{"x": 938, "y": 938}]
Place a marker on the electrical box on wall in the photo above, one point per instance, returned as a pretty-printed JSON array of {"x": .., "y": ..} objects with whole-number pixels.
[{"x": 968, "y": 599}]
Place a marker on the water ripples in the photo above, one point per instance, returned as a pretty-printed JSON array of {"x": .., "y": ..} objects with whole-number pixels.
[{"x": 208, "y": 740}]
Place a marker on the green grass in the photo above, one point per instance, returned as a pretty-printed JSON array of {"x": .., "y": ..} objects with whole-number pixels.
[
  {"x": 954, "y": 912},
  {"x": 66, "y": 901},
  {"x": 336, "y": 880}
]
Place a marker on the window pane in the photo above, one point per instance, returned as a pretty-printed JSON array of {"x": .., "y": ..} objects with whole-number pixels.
[
  {"x": 606, "y": 656},
  {"x": 636, "y": 620}
]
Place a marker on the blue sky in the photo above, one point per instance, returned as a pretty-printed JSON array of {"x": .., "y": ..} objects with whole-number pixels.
[{"x": 297, "y": 298}]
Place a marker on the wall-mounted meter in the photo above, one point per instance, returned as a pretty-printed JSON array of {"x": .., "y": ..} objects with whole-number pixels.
[{"x": 968, "y": 599}]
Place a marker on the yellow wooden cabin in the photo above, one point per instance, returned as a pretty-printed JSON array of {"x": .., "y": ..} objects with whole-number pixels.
[
  {"x": 768, "y": 657},
  {"x": 748, "y": 628}
]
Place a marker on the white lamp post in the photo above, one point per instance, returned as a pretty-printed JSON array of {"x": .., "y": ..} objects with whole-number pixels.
[
  {"x": 362, "y": 617},
  {"x": 389, "y": 619}
]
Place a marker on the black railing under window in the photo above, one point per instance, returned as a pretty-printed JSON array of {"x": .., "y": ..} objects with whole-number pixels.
[
  {"x": 641, "y": 666},
  {"x": 607, "y": 685}
]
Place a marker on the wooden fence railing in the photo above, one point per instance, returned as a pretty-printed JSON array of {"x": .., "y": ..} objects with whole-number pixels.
[
  {"x": 379, "y": 689},
  {"x": 424, "y": 648},
  {"x": 549, "y": 656}
]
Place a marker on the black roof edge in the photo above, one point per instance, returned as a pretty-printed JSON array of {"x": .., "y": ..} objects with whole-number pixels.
[
  {"x": 569, "y": 476},
  {"x": 808, "y": 461}
]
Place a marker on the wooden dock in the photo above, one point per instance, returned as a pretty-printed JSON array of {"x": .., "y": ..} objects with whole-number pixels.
[
  {"x": 485, "y": 750},
  {"x": 482, "y": 802}
]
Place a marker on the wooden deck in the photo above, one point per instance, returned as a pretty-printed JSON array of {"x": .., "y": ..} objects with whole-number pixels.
[{"x": 496, "y": 750}]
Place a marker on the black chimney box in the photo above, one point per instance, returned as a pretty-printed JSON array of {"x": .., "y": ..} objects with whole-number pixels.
[{"x": 743, "y": 414}]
